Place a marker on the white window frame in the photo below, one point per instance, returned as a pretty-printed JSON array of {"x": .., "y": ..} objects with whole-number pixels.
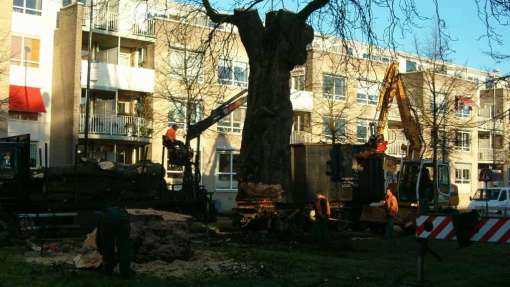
[
  {"x": 186, "y": 64},
  {"x": 231, "y": 66},
  {"x": 462, "y": 175},
  {"x": 334, "y": 95},
  {"x": 463, "y": 111},
  {"x": 232, "y": 186},
  {"x": 30, "y": 11},
  {"x": 365, "y": 124},
  {"x": 297, "y": 82},
  {"x": 341, "y": 128},
  {"x": 463, "y": 146},
  {"x": 182, "y": 124},
  {"x": 367, "y": 92},
  {"x": 229, "y": 125},
  {"x": 23, "y": 61}
]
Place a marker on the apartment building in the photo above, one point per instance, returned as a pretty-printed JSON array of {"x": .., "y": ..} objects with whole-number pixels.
[
  {"x": 27, "y": 53},
  {"x": 121, "y": 82}
]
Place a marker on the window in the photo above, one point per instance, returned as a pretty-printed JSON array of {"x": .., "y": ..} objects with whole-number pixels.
[
  {"x": 33, "y": 154},
  {"x": 186, "y": 65},
  {"x": 297, "y": 82},
  {"x": 233, "y": 73},
  {"x": 503, "y": 195},
  {"x": 462, "y": 175},
  {"x": 367, "y": 93},
  {"x": 334, "y": 125},
  {"x": 124, "y": 108},
  {"x": 362, "y": 131},
  {"x": 226, "y": 170},
  {"x": 302, "y": 121},
  {"x": 178, "y": 113},
  {"x": 25, "y": 116},
  {"x": 463, "y": 111},
  {"x": 25, "y": 51},
  {"x": 410, "y": 66},
  {"x": 462, "y": 141},
  {"x": 440, "y": 106},
  {"x": 333, "y": 87},
  {"x": 33, "y": 7},
  {"x": 232, "y": 123}
]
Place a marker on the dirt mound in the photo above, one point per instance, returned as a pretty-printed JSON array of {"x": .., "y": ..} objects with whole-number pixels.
[{"x": 158, "y": 235}]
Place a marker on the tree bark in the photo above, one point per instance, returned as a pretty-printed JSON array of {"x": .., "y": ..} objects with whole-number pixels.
[
  {"x": 265, "y": 155},
  {"x": 273, "y": 49}
]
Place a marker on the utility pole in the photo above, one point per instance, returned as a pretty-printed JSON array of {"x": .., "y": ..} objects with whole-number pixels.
[
  {"x": 87, "y": 91},
  {"x": 494, "y": 81}
]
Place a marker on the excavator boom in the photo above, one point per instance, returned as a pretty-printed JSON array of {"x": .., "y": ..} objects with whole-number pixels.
[{"x": 393, "y": 87}]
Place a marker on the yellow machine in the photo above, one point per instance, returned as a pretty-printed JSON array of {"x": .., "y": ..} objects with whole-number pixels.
[{"x": 412, "y": 164}]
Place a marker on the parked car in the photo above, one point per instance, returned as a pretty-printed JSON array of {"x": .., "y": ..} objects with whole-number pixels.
[{"x": 491, "y": 201}]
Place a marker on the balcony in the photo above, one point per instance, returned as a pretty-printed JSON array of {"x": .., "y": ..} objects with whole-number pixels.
[
  {"x": 146, "y": 29},
  {"x": 486, "y": 122},
  {"x": 395, "y": 147},
  {"x": 301, "y": 100},
  {"x": 300, "y": 137},
  {"x": 117, "y": 127},
  {"x": 486, "y": 154},
  {"x": 118, "y": 77},
  {"x": 102, "y": 20},
  {"x": 108, "y": 21}
]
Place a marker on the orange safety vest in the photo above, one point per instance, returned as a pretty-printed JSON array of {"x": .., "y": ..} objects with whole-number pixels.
[
  {"x": 391, "y": 204},
  {"x": 318, "y": 207},
  {"x": 170, "y": 134}
]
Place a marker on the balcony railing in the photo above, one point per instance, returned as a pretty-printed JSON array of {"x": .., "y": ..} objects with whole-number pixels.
[
  {"x": 117, "y": 125},
  {"x": 147, "y": 28},
  {"x": 297, "y": 137},
  {"x": 486, "y": 154},
  {"x": 486, "y": 121},
  {"x": 395, "y": 147},
  {"x": 102, "y": 19}
]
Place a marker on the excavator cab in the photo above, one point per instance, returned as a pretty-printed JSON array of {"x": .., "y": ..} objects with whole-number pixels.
[{"x": 411, "y": 180}]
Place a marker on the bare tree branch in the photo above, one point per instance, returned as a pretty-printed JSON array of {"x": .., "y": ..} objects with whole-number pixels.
[
  {"x": 215, "y": 15},
  {"x": 311, "y": 7}
]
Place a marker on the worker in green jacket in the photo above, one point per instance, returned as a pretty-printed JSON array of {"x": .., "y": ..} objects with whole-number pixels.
[{"x": 113, "y": 234}]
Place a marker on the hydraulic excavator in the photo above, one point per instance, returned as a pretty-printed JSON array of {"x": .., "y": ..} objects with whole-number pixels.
[{"x": 412, "y": 165}]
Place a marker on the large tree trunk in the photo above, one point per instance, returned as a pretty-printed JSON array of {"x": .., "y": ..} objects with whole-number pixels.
[
  {"x": 265, "y": 153},
  {"x": 274, "y": 49}
]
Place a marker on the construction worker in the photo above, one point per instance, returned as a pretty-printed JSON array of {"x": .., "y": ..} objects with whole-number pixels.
[
  {"x": 322, "y": 214},
  {"x": 171, "y": 133},
  {"x": 391, "y": 207},
  {"x": 113, "y": 235}
]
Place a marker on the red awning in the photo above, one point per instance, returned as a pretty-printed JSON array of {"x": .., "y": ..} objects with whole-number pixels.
[
  {"x": 25, "y": 99},
  {"x": 465, "y": 101}
]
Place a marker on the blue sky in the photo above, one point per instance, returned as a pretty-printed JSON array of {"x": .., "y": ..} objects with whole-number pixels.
[
  {"x": 463, "y": 25},
  {"x": 465, "y": 28}
]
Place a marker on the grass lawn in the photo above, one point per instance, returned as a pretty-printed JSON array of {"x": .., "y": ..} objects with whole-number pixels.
[{"x": 364, "y": 262}]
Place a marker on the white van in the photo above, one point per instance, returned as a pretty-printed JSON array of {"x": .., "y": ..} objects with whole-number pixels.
[{"x": 493, "y": 201}]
